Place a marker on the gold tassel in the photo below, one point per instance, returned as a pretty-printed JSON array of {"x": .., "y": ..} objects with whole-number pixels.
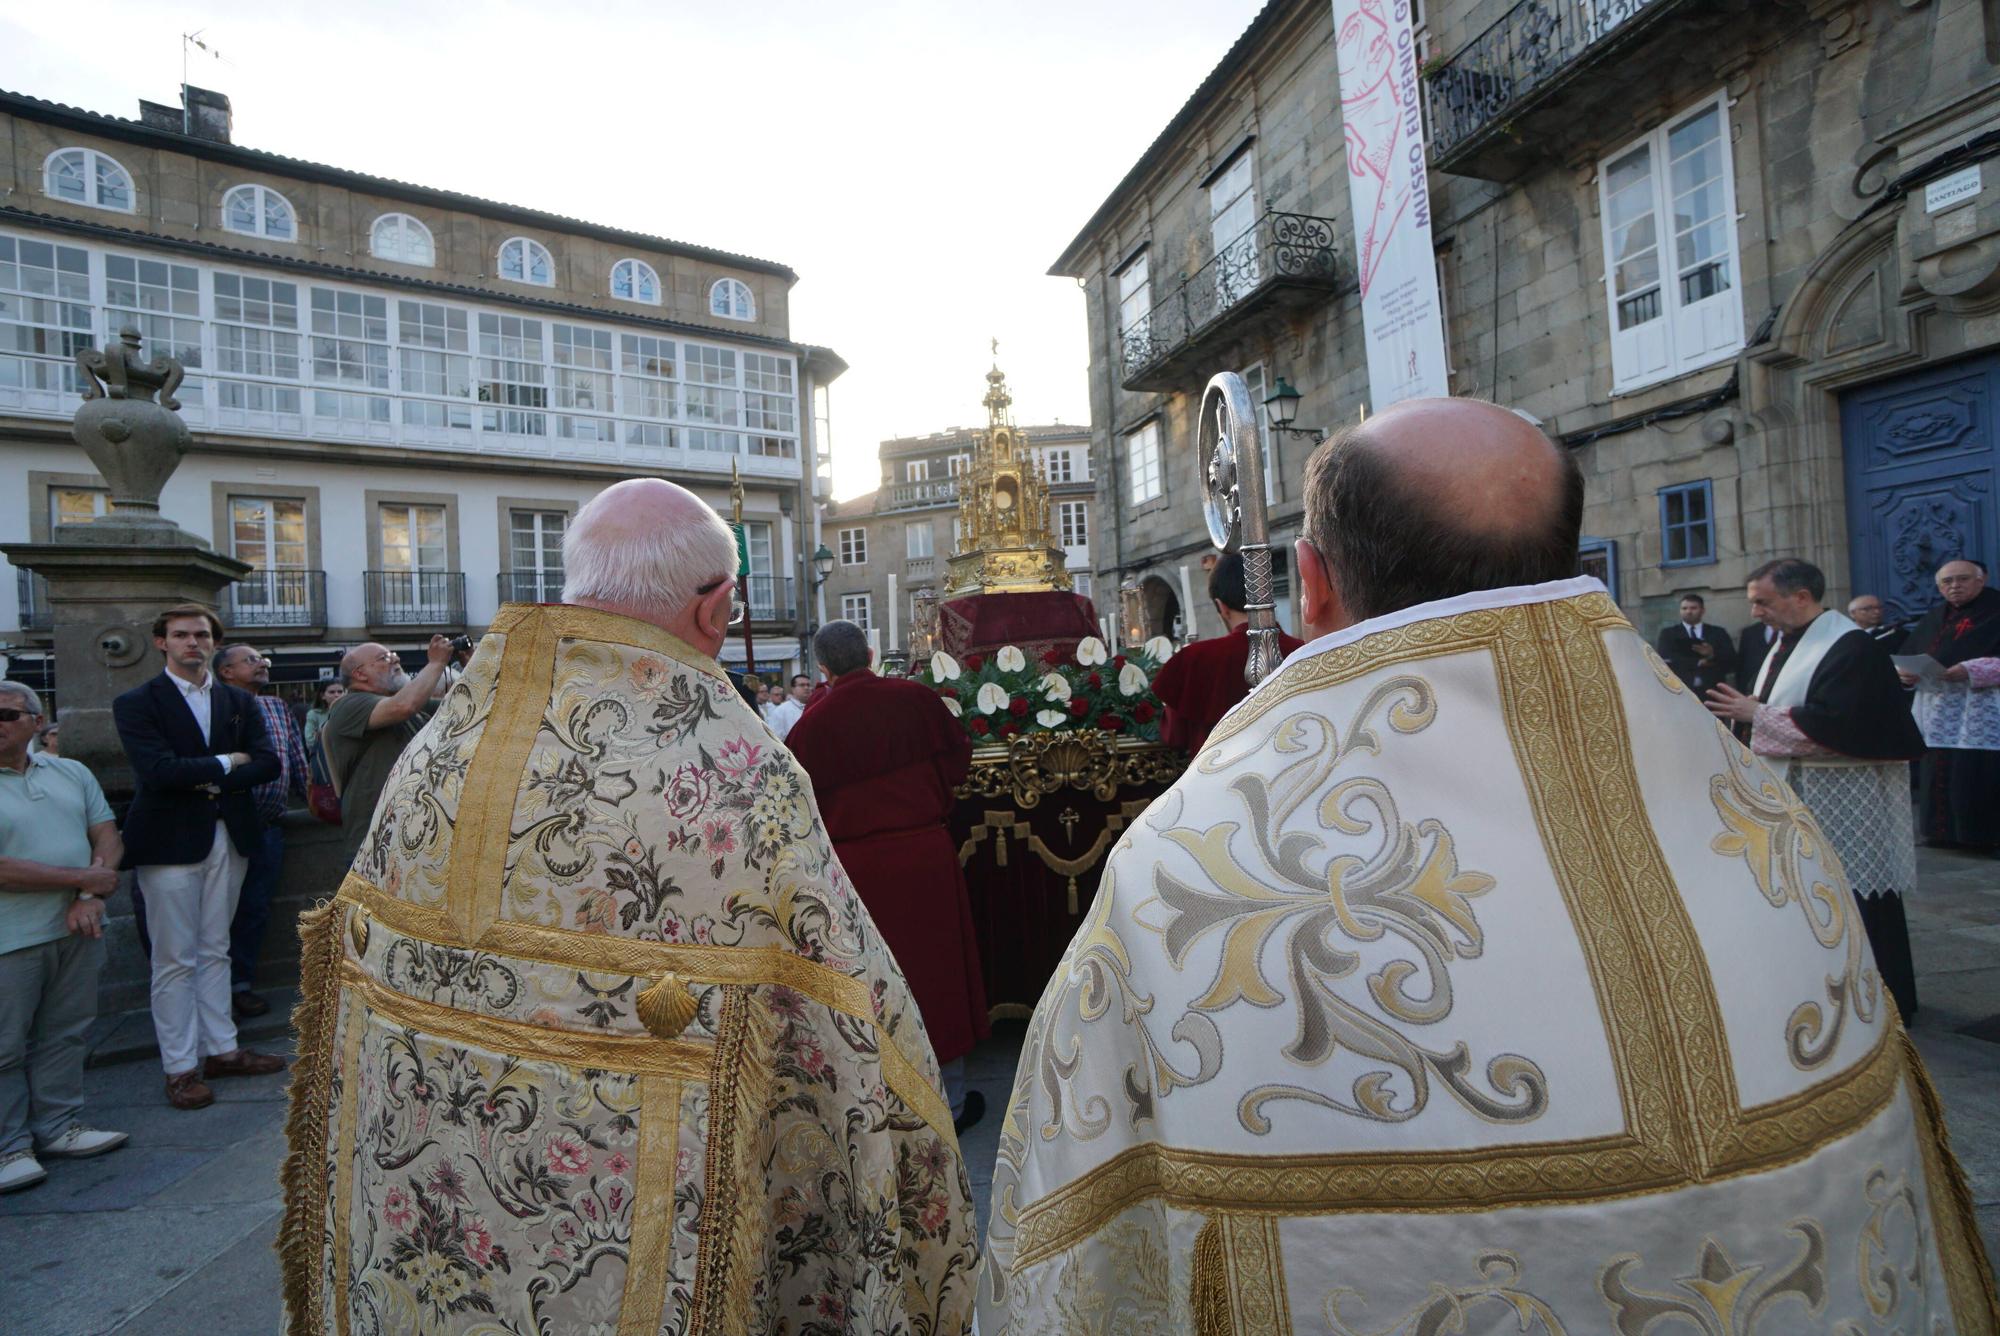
[
  {"x": 735, "y": 1216},
  {"x": 302, "y": 1177},
  {"x": 1208, "y": 1288},
  {"x": 1952, "y": 1213}
]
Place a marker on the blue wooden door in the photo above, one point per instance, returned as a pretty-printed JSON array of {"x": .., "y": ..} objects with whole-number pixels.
[{"x": 1920, "y": 452}]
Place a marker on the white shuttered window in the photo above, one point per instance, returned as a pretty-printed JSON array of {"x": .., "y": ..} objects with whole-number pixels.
[{"x": 1668, "y": 205}]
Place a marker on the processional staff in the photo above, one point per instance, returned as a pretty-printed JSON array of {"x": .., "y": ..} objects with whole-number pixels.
[{"x": 1232, "y": 469}]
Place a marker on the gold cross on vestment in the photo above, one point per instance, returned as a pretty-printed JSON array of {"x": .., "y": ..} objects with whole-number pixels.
[{"x": 1069, "y": 818}]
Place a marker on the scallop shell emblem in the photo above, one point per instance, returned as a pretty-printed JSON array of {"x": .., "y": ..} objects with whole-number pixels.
[
  {"x": 357, "y": 930},
  {"x": 667, "y": 1007}
]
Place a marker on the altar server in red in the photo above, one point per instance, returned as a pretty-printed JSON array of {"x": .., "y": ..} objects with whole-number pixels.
[
  {"x": 884, "y": 755},
  {"x": 1200, "y": 683}
]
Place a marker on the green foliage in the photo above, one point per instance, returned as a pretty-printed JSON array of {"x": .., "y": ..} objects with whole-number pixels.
[{"x": 1102, "y": 695}]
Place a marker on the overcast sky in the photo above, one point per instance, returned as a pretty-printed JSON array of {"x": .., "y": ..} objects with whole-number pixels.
[{"x": 919, "y": 164}]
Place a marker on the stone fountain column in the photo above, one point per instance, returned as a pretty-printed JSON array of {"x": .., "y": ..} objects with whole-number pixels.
[{"x": 110, "y": 577}]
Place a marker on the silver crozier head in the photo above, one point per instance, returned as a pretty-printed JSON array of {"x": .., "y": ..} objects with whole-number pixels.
[{"x": 1232, "y": 470}]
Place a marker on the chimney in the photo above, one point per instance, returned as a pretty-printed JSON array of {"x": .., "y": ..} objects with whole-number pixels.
[{"x": 207, "y": 113}]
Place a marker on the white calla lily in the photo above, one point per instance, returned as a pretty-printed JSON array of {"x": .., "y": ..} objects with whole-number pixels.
[
  {"x": 1159, "y": 649},
  {"x": 1055, "y": 687},
  {"x": 951, "y": 703},
  {"x": 1131, "y": 680},
  {"x": 1010, "y": 659},
  {"x": 944, "y": 668},
  {"x": 992, "y": 698},
  {"x": 1090, "y": 652},
  {"x": 1050, "y": 718}
]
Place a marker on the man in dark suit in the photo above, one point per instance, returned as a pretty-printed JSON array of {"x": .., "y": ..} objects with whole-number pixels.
[
  {"x": 197, "y": 747},
  {"x": 1700, "y": 655},
  {"x": 1751, "y": 647}
]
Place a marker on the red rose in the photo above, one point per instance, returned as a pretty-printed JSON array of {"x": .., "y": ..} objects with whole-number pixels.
[
  {"x": 1110, "y": 723},
  {"x": 973, "y": 662},
  {"x": 1118, "y": 661},
  {"x": 948, "y": 691},
  {"x": 1054, "y": 658},
  {"x": 1096, "y": 681},
  {"x": 979, "y": 726},
  {"x": 1009, "y": 730},
  {"x": 1078, "y": 706},
  {"x": 1018, "y": 707},
  {"x": 1143, "y": 712}
]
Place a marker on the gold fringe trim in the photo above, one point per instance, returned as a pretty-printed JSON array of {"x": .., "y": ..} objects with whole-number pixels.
[
  {"x": 302, "y": 1233},
  {"x": 734, "y": 1216},
  {"x": 1968, "y": 1275},
  {"x": 1208, "y": 1286}
]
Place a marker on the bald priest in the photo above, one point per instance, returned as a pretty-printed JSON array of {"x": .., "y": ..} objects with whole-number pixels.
[
  {"x": 597, "y": 1037},
  {"x": 1472, "y": 979}
]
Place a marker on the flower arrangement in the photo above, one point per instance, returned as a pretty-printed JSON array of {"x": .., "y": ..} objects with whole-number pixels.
[{"x": 1000, "y": 695}]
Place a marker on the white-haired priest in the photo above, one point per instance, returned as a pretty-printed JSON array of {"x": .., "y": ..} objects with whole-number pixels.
[
  {"x": 597, "y": 1037},
  {"x": 1472, "y": 979}
]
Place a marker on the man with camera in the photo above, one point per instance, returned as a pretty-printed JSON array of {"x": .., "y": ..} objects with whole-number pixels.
[{"x": 367, "y": 729}]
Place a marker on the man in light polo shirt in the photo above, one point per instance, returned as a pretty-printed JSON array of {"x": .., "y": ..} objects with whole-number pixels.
[{"x": 59, "y": 851}]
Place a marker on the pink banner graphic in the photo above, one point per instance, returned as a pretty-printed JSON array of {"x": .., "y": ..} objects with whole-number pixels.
[{"x": 1389, "y": 192}]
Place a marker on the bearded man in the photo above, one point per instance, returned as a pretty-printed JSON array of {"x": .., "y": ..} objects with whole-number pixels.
[
  {"x": 596, "y": 1035},
  {"x": 1473, "y": 979}
]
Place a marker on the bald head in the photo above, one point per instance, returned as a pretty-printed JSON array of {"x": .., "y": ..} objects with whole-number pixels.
[
  {"x": 1438, "y": 497},
  {"x": 652, "y": 550},
  {"x": 374, "y": 669}
]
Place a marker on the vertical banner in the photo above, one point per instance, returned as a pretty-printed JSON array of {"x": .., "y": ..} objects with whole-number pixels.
[{"x": 1389, "y": 193}]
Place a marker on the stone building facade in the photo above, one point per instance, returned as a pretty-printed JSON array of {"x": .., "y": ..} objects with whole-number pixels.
[
  {"x": 908, "y": 527},
  {"x": 398, "y": 394},
  {"x": 1742, "y": 258}
]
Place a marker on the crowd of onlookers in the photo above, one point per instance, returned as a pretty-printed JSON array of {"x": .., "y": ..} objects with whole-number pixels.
[
  {"x": 1951, "y": 652},
  {"x": 218, "y": 761}
]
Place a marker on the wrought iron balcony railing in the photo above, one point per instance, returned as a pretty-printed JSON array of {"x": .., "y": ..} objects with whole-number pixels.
[
  {"x": 1282, "y": 257},
  {"x": 415, "y": 598},
  {"x": 33, "y": 593},
  {"x": 531, "y": 586},
  {"x": 276, "y": 598},
  {"x": 933, "y": 492},
  {"x": 771, "y": 598},
  {"x": 1507, "y": 68}
]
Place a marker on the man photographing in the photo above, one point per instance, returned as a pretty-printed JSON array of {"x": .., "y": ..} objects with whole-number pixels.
[{"x": 367, "y": 729}]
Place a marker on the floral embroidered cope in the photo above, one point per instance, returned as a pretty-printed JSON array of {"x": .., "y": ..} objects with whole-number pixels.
[{"x": 491, "y": 1133}]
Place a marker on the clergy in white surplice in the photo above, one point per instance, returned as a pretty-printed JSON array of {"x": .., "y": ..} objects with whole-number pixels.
[
  {"x": 1830, "y": 716},
  {"x": 1473, "y": 979}
]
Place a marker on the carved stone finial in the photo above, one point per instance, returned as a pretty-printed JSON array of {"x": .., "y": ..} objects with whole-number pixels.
[{"x": 135, "y": 442}]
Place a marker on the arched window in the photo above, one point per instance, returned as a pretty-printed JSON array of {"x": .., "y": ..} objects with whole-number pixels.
[
  {"x": 525, "y": 261},
  {"x": 399, "y": 237},
  {"x": 85, "y": 176},
  {"x": 731, "y": 299},
  {"x": 635, "y": 281},
  {"x": 259, "y": 211}
]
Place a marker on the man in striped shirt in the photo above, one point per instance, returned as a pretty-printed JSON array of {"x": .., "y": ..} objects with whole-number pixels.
[{"x": 245, "y": 667}]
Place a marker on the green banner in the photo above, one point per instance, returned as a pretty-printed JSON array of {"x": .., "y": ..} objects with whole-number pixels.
[{"x": 742, "y": 550}]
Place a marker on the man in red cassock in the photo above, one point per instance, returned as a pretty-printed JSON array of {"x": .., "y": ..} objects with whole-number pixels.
[
  {"x": 884, "y": 755},
  {"x": 1200, "y": 684}
]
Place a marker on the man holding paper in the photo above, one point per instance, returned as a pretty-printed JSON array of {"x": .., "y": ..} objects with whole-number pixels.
[
  {"x": 1959, "y": 716},
  {"x": 1828, "y": 713}
]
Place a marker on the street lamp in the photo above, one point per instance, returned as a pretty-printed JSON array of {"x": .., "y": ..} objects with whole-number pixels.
[
  {"x": 822, "y": 561},
  {"x": 1281, "y": 406}
]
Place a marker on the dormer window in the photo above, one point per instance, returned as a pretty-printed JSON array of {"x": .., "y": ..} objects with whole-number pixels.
[
  {"x": 259, "y": 211},
  {"x": 399, "y": 237},
  {"x": 85, "y": 176},
  {"x": 635, "y": 281},
  {"x": 525, "y": 261},
  {"x": 730, "y": 298}
]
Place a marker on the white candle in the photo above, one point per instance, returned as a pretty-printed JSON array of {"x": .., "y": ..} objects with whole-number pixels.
[
  {"x": 1187, "y": 606},
  {"x": 875, "y": 648},
  {"x": 892, "y": 613}
]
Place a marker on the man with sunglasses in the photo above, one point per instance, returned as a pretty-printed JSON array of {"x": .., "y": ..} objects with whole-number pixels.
[
  {"x": 59, "y": 851},
  {"x": 244, "y": 668},
  {"x": 598, "y": 942}
]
